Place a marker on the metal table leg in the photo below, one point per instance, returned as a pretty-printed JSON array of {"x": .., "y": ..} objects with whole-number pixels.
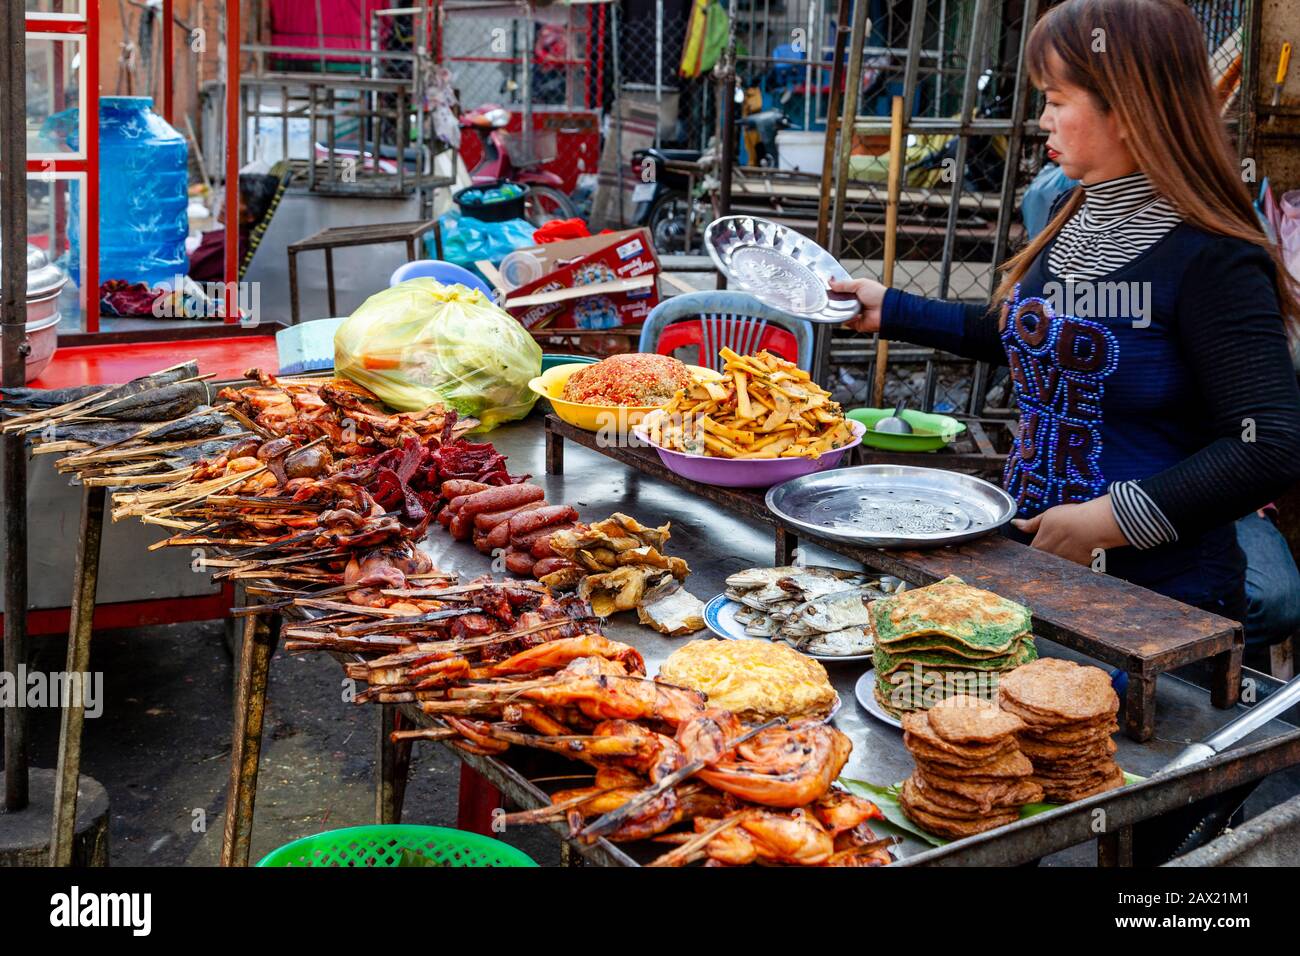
[
  {"x": 554, "y": 453},
  {"x": 329, "y": 281},
  {"x": 293, "y": 287},
  {"x": 1140, "y": 707},
  {"x": 394, "y": 766},
  {"x": 81, "y": 624},
  {"x": 1116, "y": 849},
  {"x": 260, "y": 634},
  {"x": 1225, "y": 685},
  {"x": 786, "y": 545}
]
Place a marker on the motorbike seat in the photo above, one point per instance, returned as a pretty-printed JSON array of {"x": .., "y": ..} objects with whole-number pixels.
[
  {"x": 485, "y": 117},
  {"x": 681, "y": 155}
]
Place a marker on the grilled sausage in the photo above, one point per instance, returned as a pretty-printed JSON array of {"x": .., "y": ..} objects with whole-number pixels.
[
  {"x": 490, "y": 519},
  {"x": 519, "y": 562},
  {"x": 541, "y": 548},
  {"x": 501, "y": 498},
  {"x": 455, "y": 487},
  {"x": 481, "y": 542},
  {"x": 528, "y": 521},
  {"x": 550, "y": 565},
  {"x": 461, "y": 527},
  {"x": 499, "y": 536},
  {"x": 524, "y": 542}
]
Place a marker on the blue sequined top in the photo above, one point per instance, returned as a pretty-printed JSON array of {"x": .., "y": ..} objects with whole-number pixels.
[{"x": 1151, "y": 373}]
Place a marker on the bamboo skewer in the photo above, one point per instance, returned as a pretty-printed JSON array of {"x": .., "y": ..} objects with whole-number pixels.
[{"x": 238, "y": 415}]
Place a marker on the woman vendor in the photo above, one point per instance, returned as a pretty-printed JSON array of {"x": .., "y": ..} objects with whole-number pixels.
[{"x": 1146, "y": 328}]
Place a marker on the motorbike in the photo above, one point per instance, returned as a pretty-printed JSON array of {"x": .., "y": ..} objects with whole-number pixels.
[
  {"x": 663, "y": 202},
  {"x": 764, "y": 125},
  {"x": 547, "y": 199}
]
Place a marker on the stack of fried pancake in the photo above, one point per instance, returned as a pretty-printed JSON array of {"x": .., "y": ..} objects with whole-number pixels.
[
  {"x": 945, "y": 639},
  {"x": 970, "y": 775},
  {"x": 1069, "y": 714}
]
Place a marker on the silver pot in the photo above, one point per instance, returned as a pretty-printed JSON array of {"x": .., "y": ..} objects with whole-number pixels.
[{"x": 44, "y": 283}]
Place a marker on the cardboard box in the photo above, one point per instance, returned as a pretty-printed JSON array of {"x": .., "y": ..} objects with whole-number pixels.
[{"x": 597, "y": 282}]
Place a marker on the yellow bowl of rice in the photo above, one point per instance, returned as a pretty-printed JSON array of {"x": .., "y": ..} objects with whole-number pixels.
[{"x": 616, "y": 393}]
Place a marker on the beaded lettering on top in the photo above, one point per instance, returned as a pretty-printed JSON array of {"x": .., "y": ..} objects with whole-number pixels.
[{"x": 1058, "y": 364}]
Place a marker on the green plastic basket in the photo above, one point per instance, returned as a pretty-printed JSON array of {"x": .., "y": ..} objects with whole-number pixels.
[
  {"x": 552, "y": 359},
  {"x": 396, "y": 845}
]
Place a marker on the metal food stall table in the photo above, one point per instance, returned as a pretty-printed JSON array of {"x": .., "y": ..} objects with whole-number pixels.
[{"x": 716, "y": 544}]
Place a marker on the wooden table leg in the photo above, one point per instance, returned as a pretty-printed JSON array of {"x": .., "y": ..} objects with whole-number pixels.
[
  {"x": 410, "y": 250},
  {"x": 72, "y": 717},
  {"x": 437, "y": 238},
  {"x": 293, "y": 288},
  {"x": 476, "y": 801},
  {"x": 260, "y": 632},
  {"x": 1140, "y": 707},
  {"x": 1225, "y": 684},
  {"x": 394, "y": 765},
  {"x": 329, "y": 281},
  {"x": 554, "y": 453},
  {"x": 786, "y": 545}
]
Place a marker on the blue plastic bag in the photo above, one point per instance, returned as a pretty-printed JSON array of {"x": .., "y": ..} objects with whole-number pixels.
[
  {"x": 466, "y": 240},
  {"x": 1036, "y": 207}
]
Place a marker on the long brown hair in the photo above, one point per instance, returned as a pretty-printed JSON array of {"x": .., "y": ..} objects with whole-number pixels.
[{"x": 1146, "y": 61}]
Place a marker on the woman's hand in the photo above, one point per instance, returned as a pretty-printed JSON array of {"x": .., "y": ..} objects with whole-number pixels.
[
  {"x": 871, "y": 294},
  {"x": 1075, "y": 531}
]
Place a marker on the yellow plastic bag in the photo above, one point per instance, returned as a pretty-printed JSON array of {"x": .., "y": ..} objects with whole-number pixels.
[{"x": 420, "y": 342}]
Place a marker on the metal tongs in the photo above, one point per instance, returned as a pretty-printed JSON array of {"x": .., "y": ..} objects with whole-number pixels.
[
  {"x": 1280, "y": 701},
  {"x": 1184, "y": 829}
]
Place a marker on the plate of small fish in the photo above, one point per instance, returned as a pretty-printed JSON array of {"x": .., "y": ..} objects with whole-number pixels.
[{"x": 817, "y": 610}]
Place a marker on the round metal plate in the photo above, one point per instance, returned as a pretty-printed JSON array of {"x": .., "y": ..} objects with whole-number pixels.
[
  {"x": 780, "y": 267},
  {"x": 864, "y": 691},
  {"x": 892, "y": 506}
]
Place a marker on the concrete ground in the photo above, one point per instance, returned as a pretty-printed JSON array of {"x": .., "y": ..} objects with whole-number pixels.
[{"x": 162, "y": 749}]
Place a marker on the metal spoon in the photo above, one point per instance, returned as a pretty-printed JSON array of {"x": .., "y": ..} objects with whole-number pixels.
[{"x": 894, "y": 424}]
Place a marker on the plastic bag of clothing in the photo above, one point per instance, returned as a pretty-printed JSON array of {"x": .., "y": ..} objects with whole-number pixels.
[
  {"x": 420, "y": 342},
  {"x": 1289, "y": 239},
  {"x": 1036, "y": 207},
  {"x": 466, "y": 240}
]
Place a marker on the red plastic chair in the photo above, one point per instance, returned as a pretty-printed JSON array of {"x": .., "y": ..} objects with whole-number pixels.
[
  {"x": 711, "y": 321},
  {"x": 685, "y": 334}
]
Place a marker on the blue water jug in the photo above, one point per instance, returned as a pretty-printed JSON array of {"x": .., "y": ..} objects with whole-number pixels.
[{"x": 143, "y": 195}]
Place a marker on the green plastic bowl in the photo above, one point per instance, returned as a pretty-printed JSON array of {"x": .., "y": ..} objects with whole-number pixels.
[
  {"x": 396, "y": 845},
  {"x": 931, "y": 432},
  {"x": 550, "y": 360}
]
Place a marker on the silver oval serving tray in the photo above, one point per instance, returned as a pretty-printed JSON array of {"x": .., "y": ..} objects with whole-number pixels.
[
  {"x": 892, "y": 506},
  {"x": 780, "y": 267}
]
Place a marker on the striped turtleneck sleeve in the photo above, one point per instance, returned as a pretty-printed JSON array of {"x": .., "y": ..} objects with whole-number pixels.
[{"x": 1140, "y": 518}]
